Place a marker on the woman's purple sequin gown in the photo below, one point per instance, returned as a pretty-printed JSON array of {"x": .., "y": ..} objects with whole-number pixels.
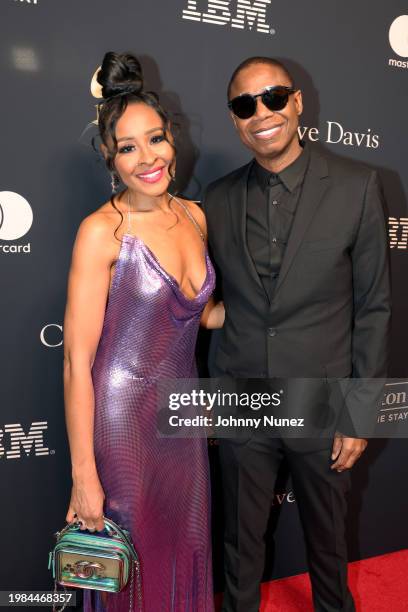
[{"x": 157, "y": 488}]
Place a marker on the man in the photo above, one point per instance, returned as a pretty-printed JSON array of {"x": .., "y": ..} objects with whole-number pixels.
[{"x": 299, "y": 239}]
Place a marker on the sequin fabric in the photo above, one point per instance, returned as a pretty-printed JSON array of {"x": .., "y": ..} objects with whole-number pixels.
[{"x": 156, "y": 487}]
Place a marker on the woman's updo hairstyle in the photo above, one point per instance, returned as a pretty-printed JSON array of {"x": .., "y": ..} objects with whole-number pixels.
[
  {"x": 121, "y": 78},
  {"x": 120, "y": 74}
]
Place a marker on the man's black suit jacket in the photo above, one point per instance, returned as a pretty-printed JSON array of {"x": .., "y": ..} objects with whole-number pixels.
[{"x": 330, "y": 313}]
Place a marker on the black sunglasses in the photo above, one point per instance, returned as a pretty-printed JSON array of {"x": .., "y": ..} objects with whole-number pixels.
[{"x": 274, "y": 98}]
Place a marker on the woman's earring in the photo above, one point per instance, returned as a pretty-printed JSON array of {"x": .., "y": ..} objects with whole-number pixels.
[{"x": 114, "y": 181}]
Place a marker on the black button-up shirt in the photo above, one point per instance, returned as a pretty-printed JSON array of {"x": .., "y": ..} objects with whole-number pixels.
[{"x": 271, "y": 206}]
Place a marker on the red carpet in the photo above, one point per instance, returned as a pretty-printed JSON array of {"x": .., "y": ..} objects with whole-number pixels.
[{"x": 379, "y": 584}]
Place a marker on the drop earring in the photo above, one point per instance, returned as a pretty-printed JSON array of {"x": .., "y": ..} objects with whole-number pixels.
[{"x": 114, "y": 182}]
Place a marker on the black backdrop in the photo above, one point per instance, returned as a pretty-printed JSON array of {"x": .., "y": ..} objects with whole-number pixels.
[{"x": 352, "y": 69}]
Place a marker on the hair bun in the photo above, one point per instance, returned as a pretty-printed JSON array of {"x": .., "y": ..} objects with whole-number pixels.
[{"x": 120, "y": 73}]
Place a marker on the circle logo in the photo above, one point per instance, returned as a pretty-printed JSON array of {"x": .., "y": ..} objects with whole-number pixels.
[
  {"x": 16, "y": 215},
  {"x": 398, "y": 35},
  {"x": 56, "y": 335}
]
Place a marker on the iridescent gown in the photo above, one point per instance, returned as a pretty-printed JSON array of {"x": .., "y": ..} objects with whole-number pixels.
[{"x": 156, "y": 487}]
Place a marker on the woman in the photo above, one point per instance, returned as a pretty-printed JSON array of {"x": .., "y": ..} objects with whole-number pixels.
[{"x": 139, "y": 283}]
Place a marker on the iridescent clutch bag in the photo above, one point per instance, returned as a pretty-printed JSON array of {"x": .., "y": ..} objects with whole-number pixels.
[{"x": 104, "y": 560}]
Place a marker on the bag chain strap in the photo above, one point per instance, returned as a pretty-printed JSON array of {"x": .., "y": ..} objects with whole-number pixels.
[
  {"x": 132, "y": 571},
  {"x": 136, "y": 564},
  {"x": 54, "y": 607}
]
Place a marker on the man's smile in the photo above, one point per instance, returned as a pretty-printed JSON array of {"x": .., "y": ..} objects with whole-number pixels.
[{"x": 268, "y": 132}]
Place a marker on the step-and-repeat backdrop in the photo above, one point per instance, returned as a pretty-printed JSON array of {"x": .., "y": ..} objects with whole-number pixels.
[{"x": 350, "y": 60}]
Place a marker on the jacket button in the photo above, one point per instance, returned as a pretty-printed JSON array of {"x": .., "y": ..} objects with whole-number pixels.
[{"x": 272, "y": 331}]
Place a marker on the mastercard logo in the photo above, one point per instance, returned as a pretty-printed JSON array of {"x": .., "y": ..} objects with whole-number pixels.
[{"x": 16, "y": 215}]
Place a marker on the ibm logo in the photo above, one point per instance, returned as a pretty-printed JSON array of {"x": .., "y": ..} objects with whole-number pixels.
[
  {"x": 20, "y": 440},
  {"x": 398, "y": 232},
  {"x": 247, "y": 15}
]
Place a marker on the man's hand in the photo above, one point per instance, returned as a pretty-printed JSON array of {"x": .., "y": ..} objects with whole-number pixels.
[{"x": 346, "y": 451}]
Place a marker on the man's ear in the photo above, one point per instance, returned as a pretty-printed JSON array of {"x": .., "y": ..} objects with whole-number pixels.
[
  {"x": 234, "y": 121},
  {"x": 298, "y": 102}
]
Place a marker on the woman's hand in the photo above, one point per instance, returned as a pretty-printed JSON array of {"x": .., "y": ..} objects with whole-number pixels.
[
  {"x": 213, "y": 315},
  {"x": 86, "y": 505}
]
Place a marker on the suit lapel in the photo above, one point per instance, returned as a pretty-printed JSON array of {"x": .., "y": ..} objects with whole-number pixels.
[
  {"x": 238, "y": 195},
  {"x": 314, "y": 187}
]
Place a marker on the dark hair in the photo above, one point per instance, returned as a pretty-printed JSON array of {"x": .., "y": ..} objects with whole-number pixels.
[
  {"x": 251, "y": 61},
  {"x": 121, "y": 77}
]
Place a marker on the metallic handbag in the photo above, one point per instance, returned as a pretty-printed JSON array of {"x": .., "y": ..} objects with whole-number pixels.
[{"x": 103, "y": 560}]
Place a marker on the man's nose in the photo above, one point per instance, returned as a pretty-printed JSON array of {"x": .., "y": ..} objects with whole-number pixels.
[{"x": 262, "y": 111}]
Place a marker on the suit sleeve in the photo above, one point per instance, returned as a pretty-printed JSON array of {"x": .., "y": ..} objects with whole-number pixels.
[{"x": 371, "y": 317}]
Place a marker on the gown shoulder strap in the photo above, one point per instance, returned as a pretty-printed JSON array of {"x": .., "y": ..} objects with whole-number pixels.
[{"x": 191, "y": 217}]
